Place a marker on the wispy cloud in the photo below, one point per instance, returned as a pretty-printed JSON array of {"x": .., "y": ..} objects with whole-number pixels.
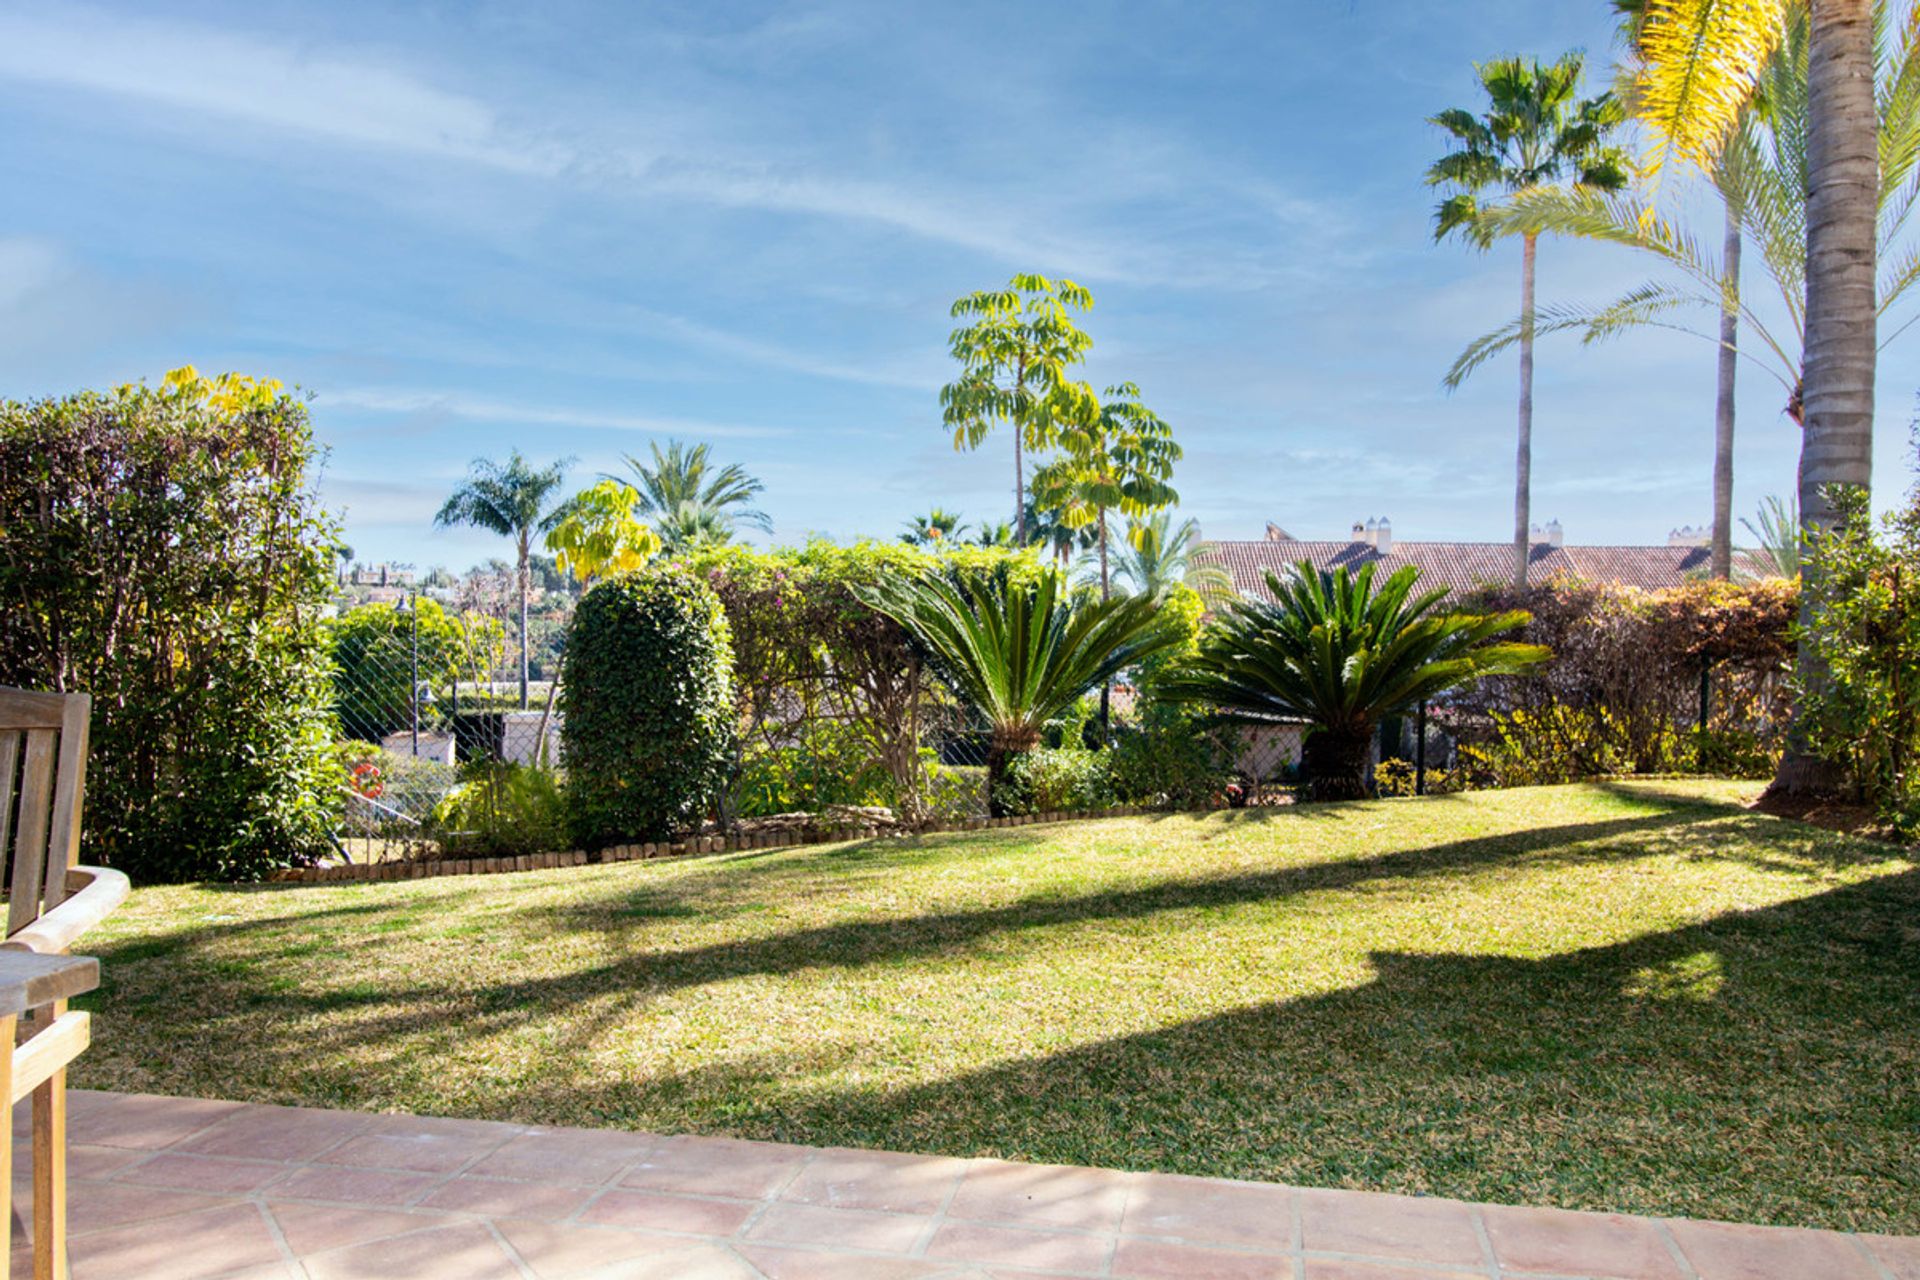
[{"x": 453, "y": 404}]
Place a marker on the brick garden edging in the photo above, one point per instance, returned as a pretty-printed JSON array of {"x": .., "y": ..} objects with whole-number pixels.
[{"x": 692, "y": 847}]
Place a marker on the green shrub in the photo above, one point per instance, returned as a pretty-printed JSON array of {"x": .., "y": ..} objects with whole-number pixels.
[
  {"x": 833, "y": 763},
  {"x": 648, "y": 701},
  {"x": 1052, "y": 779},
  {"x": 1172, "y": 760},
  {"x": 159, "y": 549},
  {"x": 503, "y": 809},
  {"x": 952, "y": 793}
]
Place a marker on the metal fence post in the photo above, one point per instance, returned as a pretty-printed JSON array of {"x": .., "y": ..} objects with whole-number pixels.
[
  {"x": 413, "y": 682},
  {"x": 1420, "y": 750},
  {"x": 1706, "y": 707}
]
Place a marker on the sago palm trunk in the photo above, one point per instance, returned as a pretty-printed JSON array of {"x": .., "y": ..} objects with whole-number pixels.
[
  {"x": 1333, "y": 763},
  {"x": 1523, "y": 454},
  {"x": 1723, "y": 407},
  {"x": 1836, "y": 445}
]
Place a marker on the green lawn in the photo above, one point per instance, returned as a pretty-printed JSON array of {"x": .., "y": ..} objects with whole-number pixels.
[{"x": 1639, "y": 998}]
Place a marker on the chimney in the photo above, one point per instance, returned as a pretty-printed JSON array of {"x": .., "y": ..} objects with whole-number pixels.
[
  {"x": 1556, "y": 536},
  {"x": 1688, "y": 536},
  {"x": 1383, "y": 536},
  {"x": 1359, "y": 532},
  {"x": 1276, "y": 534}
]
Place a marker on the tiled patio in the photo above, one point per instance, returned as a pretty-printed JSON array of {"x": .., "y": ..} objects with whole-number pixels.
[{"x": 173, "y": 1188}]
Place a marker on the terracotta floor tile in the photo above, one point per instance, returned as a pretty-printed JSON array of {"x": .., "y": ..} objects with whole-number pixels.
[
  {"x": 377, "y": 1188},
  {"x": 315, "y": 1228},
  {"x": 1898, "y": 1254},
  {"x": 580, "y": 1157},
  {"x": 87, "y": 1161},
  {"x": 1404, "y": 1227},
  {"x": 1327, "y": 1269},
  {"x": 99, "y": 1206},
  {"x": 1722, "y": 1251},
  {"x": 655, "y": 1211},
  {"x": 1042, "y": 1195},
  {"x": 556, "y": 1252},
  {"x": 215, "y": 1175},
  {"x": 144, "y": 1121},
  {"x": 778, "y": 1262},
  {"x": 1612, "y": 1246},
  {"x": 235, "y": 1234},
  {"x": 1158, "y": 1260},
  {"x": 688, "y": 1262},
  {"x": 423, "y": 1151},
  {"x": 806, "y": 1224},
  {"x": 1201, "y": 1211},
  {"x": 276, "y": 1133},
  {"x": 716, "y": 1167},
  {"x": 466, "y": 1251},
  {"x": 881, "y": 1180},
  {"x": 1017, "y": 1247},
  {"x": 506, "y": 1199}
]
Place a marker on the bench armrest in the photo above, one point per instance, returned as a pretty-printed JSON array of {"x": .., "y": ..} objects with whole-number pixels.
[{"x": 102, "y": 889}]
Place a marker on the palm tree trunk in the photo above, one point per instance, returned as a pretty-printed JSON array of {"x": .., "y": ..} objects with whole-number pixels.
[
  {"x": 1722, "y": 564},
  {"x": 1333, "y": 763},
  {"x": 1523, "y": 457},
  {"x": 525, "y": 557},
  {"x": 1106, "y": 686},
  {"x": 1836, "y": 445},
  {"x": 1019, "y": 473}
]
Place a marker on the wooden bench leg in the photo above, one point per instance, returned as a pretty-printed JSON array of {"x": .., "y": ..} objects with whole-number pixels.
[
  {"x": 6, "y": 1145},
  {"x": 50, "y": 1179}
]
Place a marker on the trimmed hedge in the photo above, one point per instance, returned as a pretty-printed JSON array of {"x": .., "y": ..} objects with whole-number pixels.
[{"x": 647, "y": 694}]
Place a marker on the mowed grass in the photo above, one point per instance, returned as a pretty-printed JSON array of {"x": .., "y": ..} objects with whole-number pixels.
[{"x": 1626, "y": 997}]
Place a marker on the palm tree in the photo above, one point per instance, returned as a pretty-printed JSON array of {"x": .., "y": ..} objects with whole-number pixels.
[
  {"x": 1332, "y": 651},
  {"x": 1020, "y": 652},
  {"x": 1699, "y": 67},
  {"x": 1157, "y": 554},
  {"x": 1535, "y": 133},
  {"x": 1761, "y": 175},
  {"x": 938, "y": 528},
  {"x": 512, "y": 502},
  {"x": 1048, "y": 533},
  {"x": 692, "y": 524},
  {"x": 995, "y": 533},
  {"x": 682, "y": 477},
  {"x": 1776, "y": 527}
]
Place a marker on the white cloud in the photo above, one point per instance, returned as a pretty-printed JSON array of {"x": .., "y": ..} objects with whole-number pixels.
[{"x": 455, "y": 404}]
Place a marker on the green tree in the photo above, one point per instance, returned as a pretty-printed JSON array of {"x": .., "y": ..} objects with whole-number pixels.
[
  {"x": 381, "y": 650},
  {"x": 691, "y": 501},
  {"x": 1015, "y": 359},
  {"x": 1020, "y": 652},
  {"x": 597, "y": 532},
  {"x": 1158, "y": 554},
  {"x": 1536, "y": 131},
  {"x": 1334, "y": 653},
  {"x": 937, "y": 528},
  {"x": 994, "y": 533},
  {"x": 1115, "y": 454},
  {"x": 512, "y": 501}
]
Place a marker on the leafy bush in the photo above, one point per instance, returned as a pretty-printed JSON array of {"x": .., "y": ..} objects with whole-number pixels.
[
  {"x": 159, "y": 548},
  {"x": 648, "y": 699},
  {"x": 1173, "y": 760},
  {"x": 953, "y": 793},
  {"x": 1052, "y": 779},
  {"x": 374, "y": 660},
  {"x": 831, "y": 764},
  {"x": 503, "y": 809}
]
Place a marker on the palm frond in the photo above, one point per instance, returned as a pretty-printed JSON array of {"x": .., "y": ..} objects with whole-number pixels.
[{"x": 1699, "y": 64}]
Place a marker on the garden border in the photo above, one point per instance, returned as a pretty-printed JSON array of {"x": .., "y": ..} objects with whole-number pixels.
[{"x": 691, "y": 847}]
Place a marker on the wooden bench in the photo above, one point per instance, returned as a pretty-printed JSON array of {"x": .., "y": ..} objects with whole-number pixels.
[{"x": 51, "y": 902}]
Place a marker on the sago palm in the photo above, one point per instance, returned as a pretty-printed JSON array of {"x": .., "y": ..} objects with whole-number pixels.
[
  {"x": 512, "y": 501},
  {"x": 1535, "y": 132},
  {"x": 1020, "y": 653},
  {"x": 1334, "y": 652},
  {"x": 1700, "y": 64}
]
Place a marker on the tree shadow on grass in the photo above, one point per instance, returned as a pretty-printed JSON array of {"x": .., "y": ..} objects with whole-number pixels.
[{"x": 1760, "y": 1066}]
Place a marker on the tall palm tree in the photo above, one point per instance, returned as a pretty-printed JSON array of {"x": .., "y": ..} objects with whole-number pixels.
[
  {"x": 1335, "y": 652},
  {"x": 1157, "y": 554},
  {"x": 1536, "y": 132},
  {"x": 994, "y": 533},
  {"x": 512, "y": 501},
  {"x": 1700, "y": 64},
  {"x": 1761, "y": 175},
  {"x": 1020, "y": 652},
  {"x": 938, "y": 528},
  {"x": 692, "y": 524},
  {"x": 682, "y": 477}
]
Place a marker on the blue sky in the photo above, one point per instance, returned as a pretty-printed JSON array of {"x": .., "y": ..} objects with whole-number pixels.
[{"x": 575, "y": 227}]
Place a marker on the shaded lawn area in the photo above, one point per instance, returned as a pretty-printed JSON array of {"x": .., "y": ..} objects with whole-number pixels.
[{"x": 1629, "y": 997}]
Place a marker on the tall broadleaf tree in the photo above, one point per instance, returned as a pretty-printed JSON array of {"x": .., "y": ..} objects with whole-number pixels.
[
  {"x": 1536, "y": 131},
  {"x": 513, "y": 501},
  {"x": 1016, "y": 353},
  {"x": 1700, "y": 65}
]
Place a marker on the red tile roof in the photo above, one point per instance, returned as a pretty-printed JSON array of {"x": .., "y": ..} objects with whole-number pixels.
[{"x": 1461, "y": 566}]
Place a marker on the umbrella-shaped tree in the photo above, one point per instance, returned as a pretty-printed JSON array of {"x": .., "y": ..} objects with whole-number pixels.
[{"x": 1335, "y": 652}]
